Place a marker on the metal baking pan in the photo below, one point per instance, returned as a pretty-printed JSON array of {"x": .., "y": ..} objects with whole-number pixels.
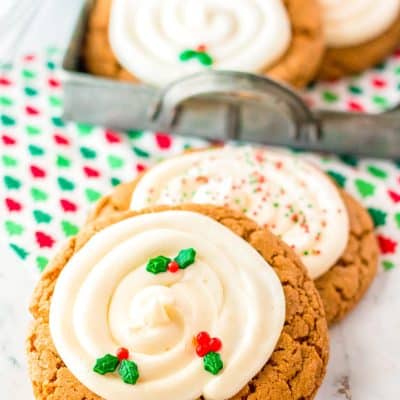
[{"x": 221, "y": 105}]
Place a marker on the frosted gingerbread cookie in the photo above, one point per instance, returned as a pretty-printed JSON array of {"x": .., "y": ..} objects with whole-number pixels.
[
  {"x": 359, "y": 34},
  {"x": 326, "y": 227},
  {"x": 180, "y": 303},
  {"x": 157, "y": 41}
]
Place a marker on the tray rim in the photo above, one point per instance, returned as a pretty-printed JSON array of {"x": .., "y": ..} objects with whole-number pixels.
[{"x": 77, "y": 75}]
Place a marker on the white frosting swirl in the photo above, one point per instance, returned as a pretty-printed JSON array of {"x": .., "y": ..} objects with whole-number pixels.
[
  {"x": 290, "y": 196},
  {"x": 104, "y": 298},
  {"x": 147, "y": 36},
  {"x": 353, "y": 22}
]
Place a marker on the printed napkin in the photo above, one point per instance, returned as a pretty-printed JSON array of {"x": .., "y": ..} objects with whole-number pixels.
[{"x": 53, "y": 172}]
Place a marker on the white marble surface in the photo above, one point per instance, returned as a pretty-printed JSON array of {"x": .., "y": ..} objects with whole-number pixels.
[
  {"x": 15, "y": 289},
  {"x": 31, "y": 25},
  {"x": 365, "y": 350}
]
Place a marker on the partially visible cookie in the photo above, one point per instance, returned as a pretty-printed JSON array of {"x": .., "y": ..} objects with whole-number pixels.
[
  {"x": 302, "y": 60},
  {"x": 329, "y": 230},
  {"x": 358, "y": 38},
  {"x": 344, "y": 285},
  {"x": 235, "y": 42},
  {"x": 294, "y": 371}
]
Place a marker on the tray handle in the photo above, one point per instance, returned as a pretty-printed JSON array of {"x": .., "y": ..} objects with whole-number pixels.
[{"x": 234, "y": 87}]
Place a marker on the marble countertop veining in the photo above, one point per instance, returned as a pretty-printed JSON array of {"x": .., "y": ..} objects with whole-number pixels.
[
  {"x": 15, "y": 291},
  {"x": 26, "y": 26}
]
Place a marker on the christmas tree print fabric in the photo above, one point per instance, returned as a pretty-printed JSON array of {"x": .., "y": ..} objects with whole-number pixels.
[
  {"x": 53, "y": 172},
  {"x": 373, "y": 91}
]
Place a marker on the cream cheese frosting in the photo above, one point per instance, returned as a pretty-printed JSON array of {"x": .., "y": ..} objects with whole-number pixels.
[
  {"x": 353, "y": 22},
  {"x": 291, "y": 197},
  {"x": 105, "y": 298},
  {"x": 150, "y": 37}
]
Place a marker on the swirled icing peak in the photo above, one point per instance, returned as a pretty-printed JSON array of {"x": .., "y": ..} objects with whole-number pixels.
[
  {"x": 204, "y": 330},
  {"x": 288, "y": 195},
  {"x": 353, "y": 22},
  {"x": 161, "y": 40}
]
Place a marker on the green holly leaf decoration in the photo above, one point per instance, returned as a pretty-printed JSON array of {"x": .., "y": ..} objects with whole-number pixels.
[
  {"x": 158, "y": 264},
  {"x": 187, "y": 55},
  {"x": 212, "y": 363},
  {"x": 106, "y": 364},
  {"x": 186, "y": 257},
  {"x": 205, "y": 59},
  {"x": 202, "y": 57},
  {"x": 129, "y": 372}
]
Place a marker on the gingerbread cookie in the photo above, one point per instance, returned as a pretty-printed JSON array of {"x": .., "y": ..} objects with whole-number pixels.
[
  {"x": 161, "y": 41},
  {"x": 330, "y": 231},
  {"x": 152, "y": 305},
  {"x": 359, "y": 35}
]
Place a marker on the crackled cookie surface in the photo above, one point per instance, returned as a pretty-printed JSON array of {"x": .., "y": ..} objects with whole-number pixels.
[
  {"x": 159, "y": 41},
  {"x": 120, "y": 291},
  {"x": 293, "y": 369}
]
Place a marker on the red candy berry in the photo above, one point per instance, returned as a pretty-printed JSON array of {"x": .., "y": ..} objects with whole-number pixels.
[
  {"x": 205, "y": 344},
  {"x": 201, "y": 48},
  {"x": 202, "y": 349},
  {"x": 122, "y": 354},
  {"x": 215, "y": 345},
  {"x": 203, "y": 338},
  {"x": 173, "y": 267}
]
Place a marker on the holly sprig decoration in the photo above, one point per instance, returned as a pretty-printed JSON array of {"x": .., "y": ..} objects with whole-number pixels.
[
  {"x": 212, "y": 363},
  {"x": 159, "y": 264},
  {"x": 200, "y": 54},
  {"x": 208, "y": 348},
  {"x": 127, "y": 370},
  {"x": 106, "y": 364}
]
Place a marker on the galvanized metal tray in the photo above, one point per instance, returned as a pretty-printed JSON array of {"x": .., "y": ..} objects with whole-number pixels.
[{"x": 221, "y": 105}]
